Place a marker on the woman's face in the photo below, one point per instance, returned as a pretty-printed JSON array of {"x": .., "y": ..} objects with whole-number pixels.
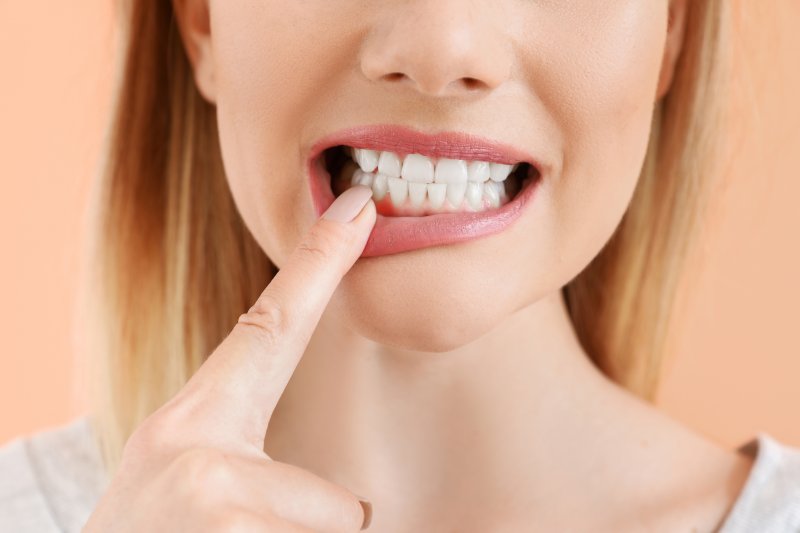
[{"x": 572, "y": 83}]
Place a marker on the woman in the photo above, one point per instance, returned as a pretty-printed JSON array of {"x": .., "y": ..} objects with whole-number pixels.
[{"x": 469, "y": 337}]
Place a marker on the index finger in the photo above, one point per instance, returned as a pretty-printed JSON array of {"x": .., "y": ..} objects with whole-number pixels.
[{"x": 243, "y": 379}]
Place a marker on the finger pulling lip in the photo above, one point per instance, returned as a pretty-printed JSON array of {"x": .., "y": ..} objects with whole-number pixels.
[{"x": 405, "y": 233}]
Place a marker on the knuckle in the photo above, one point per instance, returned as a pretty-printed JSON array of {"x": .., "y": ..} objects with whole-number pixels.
[
  {"x": 206, "y": 475},
  {"x": 322, "y": 241},
  {"x": 159, "y": 433},
  {"x": 313, "y": 252},
  {"x": 267, "y": 317},
  {"x": 151, "y": 437}
]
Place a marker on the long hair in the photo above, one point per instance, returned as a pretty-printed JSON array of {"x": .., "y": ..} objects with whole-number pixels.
[{"x": 173, "y": 265}]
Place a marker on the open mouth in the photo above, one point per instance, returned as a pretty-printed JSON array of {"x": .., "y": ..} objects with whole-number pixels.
[
  {"x": 406, "y": 185},
  {"x": 430, "y": 189}
]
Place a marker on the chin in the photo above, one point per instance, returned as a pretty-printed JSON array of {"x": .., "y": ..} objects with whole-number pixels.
[
  {"x": 426, "y": 301},
  {"x": 424, "y": 332}
]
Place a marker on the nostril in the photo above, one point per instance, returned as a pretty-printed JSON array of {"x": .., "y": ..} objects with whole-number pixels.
[
  {"x": 395, "y": 76},
  {"x": 473, "y": 83},
  {"x": 465, "y": 83}
]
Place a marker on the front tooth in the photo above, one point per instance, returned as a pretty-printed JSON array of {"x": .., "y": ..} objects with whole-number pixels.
[
  {"x": 379, "y": 187},
  {"x": 436, "y": 193},
  {"x": 492, "y": 191},
  {"x": 416, "y": 192},
  {"x": 366, "y": 159},
  {"x": 500, "y": 172},
  {"x": 389, "y": 164},
  {"x": 478, "y": 171},
  {"x": 451, "y": 171},
  {"x": 417, "y": 168},
  {"x": 475, "y": 194},
  {"x": 455, "y": 194},
  {"x": 398, "y": 190}
]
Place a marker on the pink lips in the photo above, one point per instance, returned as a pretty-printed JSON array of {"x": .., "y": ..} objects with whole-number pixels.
[{"x": 401, "y": 234}]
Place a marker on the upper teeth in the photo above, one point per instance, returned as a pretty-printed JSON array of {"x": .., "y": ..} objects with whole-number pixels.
[
  {"x": 417, "y": 176},
  {"x": 421, "y": 169}
]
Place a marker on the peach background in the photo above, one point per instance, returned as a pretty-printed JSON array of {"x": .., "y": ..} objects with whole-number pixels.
[{"x": 738, "y": 355}]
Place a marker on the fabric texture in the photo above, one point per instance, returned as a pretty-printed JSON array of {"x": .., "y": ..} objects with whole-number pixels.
[
  {"x": 51, "y": 481},
  {"x": 770, "y": 499}
]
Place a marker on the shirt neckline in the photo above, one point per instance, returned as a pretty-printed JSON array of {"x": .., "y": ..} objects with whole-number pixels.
[{"x": 758, "y": 448}]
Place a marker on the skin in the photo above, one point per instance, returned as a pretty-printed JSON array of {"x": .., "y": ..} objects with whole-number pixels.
[
  {"x": 446, "y": 385},
  {"x": 198, "y": 462}
]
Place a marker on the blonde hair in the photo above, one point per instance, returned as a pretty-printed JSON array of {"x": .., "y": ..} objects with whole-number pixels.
[{"x": 174, "y": 265}]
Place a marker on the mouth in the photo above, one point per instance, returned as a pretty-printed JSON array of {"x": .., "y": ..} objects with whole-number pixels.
[
  {"x": 429, "y": 190},
  {"x": 417, "y": 185}
]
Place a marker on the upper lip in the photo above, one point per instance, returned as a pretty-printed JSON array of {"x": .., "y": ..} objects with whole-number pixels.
[{"x": 405, "y": 140}]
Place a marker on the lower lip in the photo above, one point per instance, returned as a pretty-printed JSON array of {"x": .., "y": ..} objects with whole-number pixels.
[{"x": 392, "y": 235}]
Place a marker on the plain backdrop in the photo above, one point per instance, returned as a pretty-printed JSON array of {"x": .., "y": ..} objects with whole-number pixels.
[{"x": 735, "y": 368}]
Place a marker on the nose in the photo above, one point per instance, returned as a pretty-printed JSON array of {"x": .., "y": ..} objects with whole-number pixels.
[{"x": 440, "y": 47}]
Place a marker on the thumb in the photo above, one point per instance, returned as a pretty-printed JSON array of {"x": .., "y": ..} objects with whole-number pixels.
[{"x": 249, "y": 370}]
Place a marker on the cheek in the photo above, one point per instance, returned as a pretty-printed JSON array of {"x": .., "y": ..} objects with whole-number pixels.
[
  {"x": 267, "y": 77},
  {"x": 601, "y": 93}
]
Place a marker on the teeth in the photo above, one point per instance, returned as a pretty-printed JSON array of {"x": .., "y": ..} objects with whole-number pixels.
[
  {"x": 455, "y": 194},
  {"x": 366, "y": 159},
  {"x": 362, "y": 178},
  {"x": 493, "y": 191},
  {"x": 451, "y": 171},
  {"x": 380, "y": 187},
  {"x": 436, "y": 194},
  {"x": 398, "y": 190},
  {"x": 475, "y": 194},
  {"x": 417, "y": 168},
  {"x": 389, "y": 164},
  {"x": 479, "y": 171},
  {"x": 500, "y": 172},
  {"x": 416, "y": 193},
  {"x": 416, "y": 178}
]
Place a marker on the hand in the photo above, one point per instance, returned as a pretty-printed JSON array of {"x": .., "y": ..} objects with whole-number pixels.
[{"x": 198, "y": 463}]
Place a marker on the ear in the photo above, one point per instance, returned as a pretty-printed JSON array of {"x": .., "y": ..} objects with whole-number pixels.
[
  {"x": 676, "y": 27},
  {"x": 194, "y": 24}
]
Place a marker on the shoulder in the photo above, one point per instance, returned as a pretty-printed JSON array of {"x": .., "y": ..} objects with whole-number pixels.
[
  {"x": 50, "y": 480},
  {"x": 770, "y": 498}
]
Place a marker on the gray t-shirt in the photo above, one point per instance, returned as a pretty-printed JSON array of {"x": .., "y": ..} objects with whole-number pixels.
[{"x": 50, "y": 482}]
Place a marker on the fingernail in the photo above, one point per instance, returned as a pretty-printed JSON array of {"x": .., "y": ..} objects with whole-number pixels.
[
  {"x": 349, "y": 204},
  {"x": 367, "y": 513}
]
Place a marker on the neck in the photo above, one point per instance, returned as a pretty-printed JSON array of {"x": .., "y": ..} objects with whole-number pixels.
[{"x": 408, "y": 427}]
